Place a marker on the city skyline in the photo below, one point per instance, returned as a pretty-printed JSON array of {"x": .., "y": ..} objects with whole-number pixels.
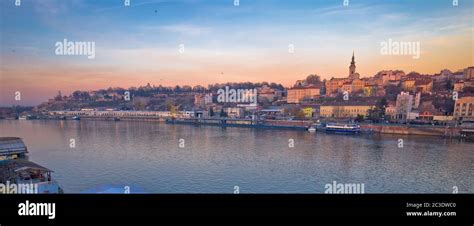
[{"x": 199, "y": 43}]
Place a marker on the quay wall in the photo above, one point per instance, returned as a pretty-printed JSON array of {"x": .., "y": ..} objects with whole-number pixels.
[
  {"x": 412, "y": 130},
  {"x": 426, "y": 130},
  {"x": 147, "y": 119}
]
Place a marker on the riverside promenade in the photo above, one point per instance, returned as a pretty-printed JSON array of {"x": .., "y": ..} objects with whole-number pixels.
[
  {"x": 402, "y": 129},
  {"x": 189, "y": 118},
  {"x": 426, "y": 130}
]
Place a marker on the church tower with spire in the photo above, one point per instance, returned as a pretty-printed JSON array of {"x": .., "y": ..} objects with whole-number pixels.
[
  {"x": 352, "y": 74},
  {"x": 352, "y": 68}
]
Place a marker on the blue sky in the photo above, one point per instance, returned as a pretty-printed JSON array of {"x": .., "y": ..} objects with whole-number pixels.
[
  {"x": 249, "y": 42},
  {"x": 218, "y": 23}
]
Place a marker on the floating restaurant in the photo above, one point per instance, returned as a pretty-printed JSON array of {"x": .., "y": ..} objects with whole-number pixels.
[
  {"x": 12, "y": 148},
  {"x": 18, "y": 175}
]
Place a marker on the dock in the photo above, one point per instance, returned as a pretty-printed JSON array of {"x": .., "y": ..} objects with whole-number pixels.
[{"x": 244, "y": 123}]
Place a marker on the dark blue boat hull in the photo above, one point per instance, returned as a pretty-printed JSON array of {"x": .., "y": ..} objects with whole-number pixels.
[{"x": 342, "y": 131}]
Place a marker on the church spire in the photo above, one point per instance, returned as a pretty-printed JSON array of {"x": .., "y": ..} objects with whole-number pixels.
[
  {"x": 352, "y": 67},
  {"x": 353, "y": 60}
]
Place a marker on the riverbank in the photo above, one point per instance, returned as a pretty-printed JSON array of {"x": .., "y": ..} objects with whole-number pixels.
[
  {"x": 247, "y": 123},
  {"x": 401, "y": 129},
  {"x": 425, "y": 130}
]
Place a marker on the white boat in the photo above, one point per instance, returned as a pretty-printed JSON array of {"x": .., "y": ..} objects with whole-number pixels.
[
  {"x": 311, "y": 129},
  {"x": 342, "y": 128}
]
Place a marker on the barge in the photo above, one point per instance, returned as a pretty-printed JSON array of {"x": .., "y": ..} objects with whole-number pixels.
[{"x": 341, "y": 128}]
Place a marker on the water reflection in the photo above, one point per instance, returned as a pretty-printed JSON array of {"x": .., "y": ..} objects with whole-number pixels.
[{"x": 214, "y": 160}]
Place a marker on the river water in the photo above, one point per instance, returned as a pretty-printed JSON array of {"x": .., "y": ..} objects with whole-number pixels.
[{"x": 160, "y": 158}]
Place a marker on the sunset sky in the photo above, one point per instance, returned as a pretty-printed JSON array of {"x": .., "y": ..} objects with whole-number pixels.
[{"x": 140, "y": 43}]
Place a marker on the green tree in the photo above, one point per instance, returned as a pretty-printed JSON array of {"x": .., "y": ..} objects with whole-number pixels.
[
  {"x": 381, "y": 105},
  {"x": 76, "y": 95},
  {"x": 138, "y": 105},
  {"x": 170, "y": 106},
  {"x": 223, "y": 113},
  {"x": 313, "y": 79},
  {"x": 449, "y": 85},
  {"x": 391, "y": 92},
  {"x": 379, "y": 111},
  {"x": 211, "y": 112},
  {"x": 449, "y": 105},
  {"x": 359, "y": 118}
]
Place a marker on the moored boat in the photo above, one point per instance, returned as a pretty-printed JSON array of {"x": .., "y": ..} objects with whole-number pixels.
[
  {"x": 341, "y": 128},
  {"x": 18, "y": 174}
]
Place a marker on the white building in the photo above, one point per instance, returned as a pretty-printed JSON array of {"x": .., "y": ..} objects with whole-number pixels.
[
  {"x": 403, "y": 106},
  {"x": 202, "y": 100},
  {"x": 416, "y": 103},
  {"x": 134, "y": 114}
]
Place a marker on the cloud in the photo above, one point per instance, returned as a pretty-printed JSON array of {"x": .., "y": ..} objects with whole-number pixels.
[
  {"x": 183, "y": 29},
  {"x": 136, "y": 3},
  {"x": 55, "y": 7},
  {"x": 341, "y": 10}
]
